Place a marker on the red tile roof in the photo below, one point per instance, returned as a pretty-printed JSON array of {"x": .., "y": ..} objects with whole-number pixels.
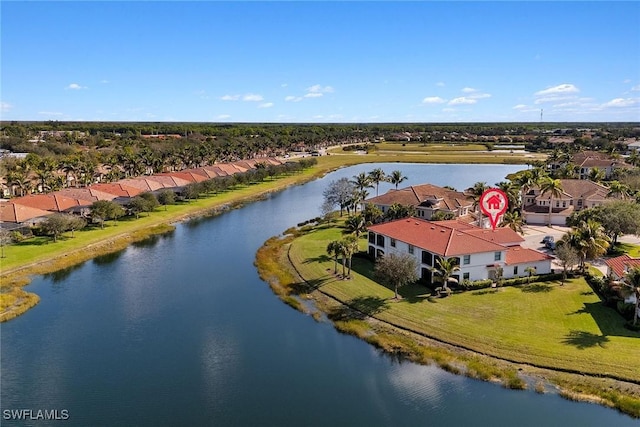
[
  {"x": 169, "y": 181},
  {"x": 502, "y": 236},
  {"x": 619, "y": 264},
  {"x": 435, "y": 238},
  {"x": 187, "y": 176},
  {"x": 142, "y": 183},
  {"x": 54, "y": 202},
  {"x": 417, "y": 194},
  {"x": 119, "y": 190},
  {"x": 86, "y": 193},
  {"x": 11, "y": 212},
  {"x": 519, "y": 255}
]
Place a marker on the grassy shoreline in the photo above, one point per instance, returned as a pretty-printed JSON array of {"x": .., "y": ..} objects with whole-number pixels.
[
  {"x": 41, "y": 256},
  {"x": 367, "y": 310}
]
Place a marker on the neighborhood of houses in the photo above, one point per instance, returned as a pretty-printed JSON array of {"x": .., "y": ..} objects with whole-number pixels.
[{"x": 27, "y": 211}]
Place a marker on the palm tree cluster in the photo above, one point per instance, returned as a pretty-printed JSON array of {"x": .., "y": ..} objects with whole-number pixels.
[{"x": 588, "y": 239}]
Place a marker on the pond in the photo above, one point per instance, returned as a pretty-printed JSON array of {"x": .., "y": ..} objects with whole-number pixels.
[{"x": 180, "y": 330}]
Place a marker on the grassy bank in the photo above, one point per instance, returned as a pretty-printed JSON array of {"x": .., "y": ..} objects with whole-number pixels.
[{"x": 556, "y": 333}]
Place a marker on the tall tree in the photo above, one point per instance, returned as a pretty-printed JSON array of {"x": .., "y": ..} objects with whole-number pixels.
[
  {"x": 445, "y": 268},
  {"x": 397, "y": 178},
  {"x": 396, "y": 270},
  {"x": 377, "y": 176},
  {"x": 334, "y": 249},
  {"x": 514, "y": 221},
  {"x": 349, "y": 247},
  {"x": 356, "y": 224},
  {"x": 632, "y": 282},
  {"x": 552, "y": 187},
  {"x": 568, "y": 257}
]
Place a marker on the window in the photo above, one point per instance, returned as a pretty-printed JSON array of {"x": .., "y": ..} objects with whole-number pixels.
[
  {"x": 380, "y": 240},
  {"x": 427, "y": 258},
  {"x": 393, "y": 243},
  {"x": 465, "y": 276},
  {"x": 466, "y": 259},
  {"x": 557, "y": 203},
  {"x": 497, "y": 256},
  {"x": 564, "y": 204},
  {"x": 411, "y": 249},
  {"x": 372, "y": 237},
  {"x": 515, "y": 270}
]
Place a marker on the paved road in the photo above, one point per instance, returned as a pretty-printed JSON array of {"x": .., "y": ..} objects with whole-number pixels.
[{"x": 533, "y": 235}]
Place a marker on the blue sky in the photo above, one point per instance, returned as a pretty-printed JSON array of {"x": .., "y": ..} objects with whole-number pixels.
[{"x": 320, "y": 61}]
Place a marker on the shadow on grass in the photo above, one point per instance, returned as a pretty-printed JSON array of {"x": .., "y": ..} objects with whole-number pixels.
[
  {"x": 300, "y": 288},
  {"x": 415, "y": 293},
  {"x": 359, "y": 308},
  {"x": 582, "y": 340},
  {"x": 536, "y": 288},
  {"x": 609, "y": 321},
  {"x": 321, "y": 258},
  {"x": 485, "y": 291}
]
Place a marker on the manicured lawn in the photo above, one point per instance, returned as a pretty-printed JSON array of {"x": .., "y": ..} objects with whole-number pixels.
[{"x": 545, "y": 324}]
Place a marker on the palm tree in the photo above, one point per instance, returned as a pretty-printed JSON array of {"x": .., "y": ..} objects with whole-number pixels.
[
  {"x": 514, "y": 221},
  {"x": 554, "y": 188},
  {"x": 334, "y": 248},
  {"x": 350, "y": 247},
  {"x": 445, "y": 267},
  {"x": 632, "y": 281},
  {"x": 596, "y": 175},
  {"x": 377, "y": 176},
  {"x": 396, "y": 178},
  {"x": 589, "y": 239},
  {"x": 634, "y": 158},
  {"x": 530, "y": 270},
  {"x": 476, "y": 192},
  {"x": 511, "y": 190},
  {"x": 618, "y": 189},
  {"x": 356, "y": 224},
  {"x": 362, "y": 181}
]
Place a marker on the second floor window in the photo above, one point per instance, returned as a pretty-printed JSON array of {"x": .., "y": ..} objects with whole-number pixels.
[{"x": 466, "y": 259}]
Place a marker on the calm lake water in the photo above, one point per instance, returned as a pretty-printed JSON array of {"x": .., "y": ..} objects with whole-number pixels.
[{"x": 180, "y": 330}]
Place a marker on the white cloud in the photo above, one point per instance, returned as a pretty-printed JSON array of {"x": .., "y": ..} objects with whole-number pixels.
[
  {"x": 266, "y": 105},
  {"x": 5, "y": 107},
  {"x": 469, "y": 90},
  {"x": 319, "y": 89},
  {"x": 448, "y": 110},
  {"x": 620, "y": 102},
  {"x": 313, "y": 95},
  {"x": 440, "y": 84},
  {"x": 433, "y": 100},
  {"x": 462, "y": 100},
  {"x": 636, "y": 88},
  {"x": 251, "y": 97},
  {"x": 75, "y": 86},
  {"x": 224, "y": 116},
  {"x": 293, "y": 98},
  {"x": 564, "y": 89},
  {"x": 520, "y": 107},
  {"x": 479, "y": 95}
]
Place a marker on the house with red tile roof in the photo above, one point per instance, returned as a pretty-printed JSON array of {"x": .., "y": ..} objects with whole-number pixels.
[
  {"x": 14, "y": 216},
  {"x": 427, "y": 199},
  {"x": 86, "y": 193},
  {"x": 478, "y": 252},
  {"x": 54, "y": 202},
  {"x": 617, "y": 268},
  {"x": 577, "y": 194},
  {"x": 117, "y": 189}
]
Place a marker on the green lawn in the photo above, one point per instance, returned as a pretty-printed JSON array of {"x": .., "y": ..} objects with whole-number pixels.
[{"x": 545, "y": 324}]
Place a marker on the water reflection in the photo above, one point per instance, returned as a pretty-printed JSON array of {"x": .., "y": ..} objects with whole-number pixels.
[{"x": 60, "y": 275}]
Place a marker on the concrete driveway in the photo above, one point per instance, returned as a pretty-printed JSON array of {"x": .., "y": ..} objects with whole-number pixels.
[{"x": 533, "y": 235}]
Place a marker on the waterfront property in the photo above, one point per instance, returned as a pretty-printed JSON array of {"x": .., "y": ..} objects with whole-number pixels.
[
  {"x": 480, "y": 253},
  {"x": 587, "y": 161},
  {"x": 428, "y": 199},
  {"x": 617, "y": 268},
  {"x": 576, "y": 195}
]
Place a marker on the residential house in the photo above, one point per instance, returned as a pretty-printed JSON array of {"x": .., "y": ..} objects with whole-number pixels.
[
  {"x": 14, "y": 216},
  {"x": 589, "y": 160},
  {"x": 427, "y": 199},
  {"x": 54, "y": 202},
  {"x": 576, "y": 195},
  {"x": 617, "y": 268},
  {"x": 479, "y": 252}
]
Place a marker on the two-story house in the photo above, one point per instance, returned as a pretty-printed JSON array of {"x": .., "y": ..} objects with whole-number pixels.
[
  {"x": 478, "y": 252},
  {"x": 427, "y": 199},
  {"x": 576, "y": 195}
]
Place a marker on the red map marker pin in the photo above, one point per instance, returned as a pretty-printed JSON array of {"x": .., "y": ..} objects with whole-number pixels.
[{"x": 493, "y": 203}]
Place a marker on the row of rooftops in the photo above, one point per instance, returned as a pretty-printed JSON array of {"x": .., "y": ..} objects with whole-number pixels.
[{"x": 21, "y": 210}]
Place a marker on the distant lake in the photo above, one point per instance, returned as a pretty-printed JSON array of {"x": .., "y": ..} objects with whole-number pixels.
[{"x": 180, "y": 330}]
